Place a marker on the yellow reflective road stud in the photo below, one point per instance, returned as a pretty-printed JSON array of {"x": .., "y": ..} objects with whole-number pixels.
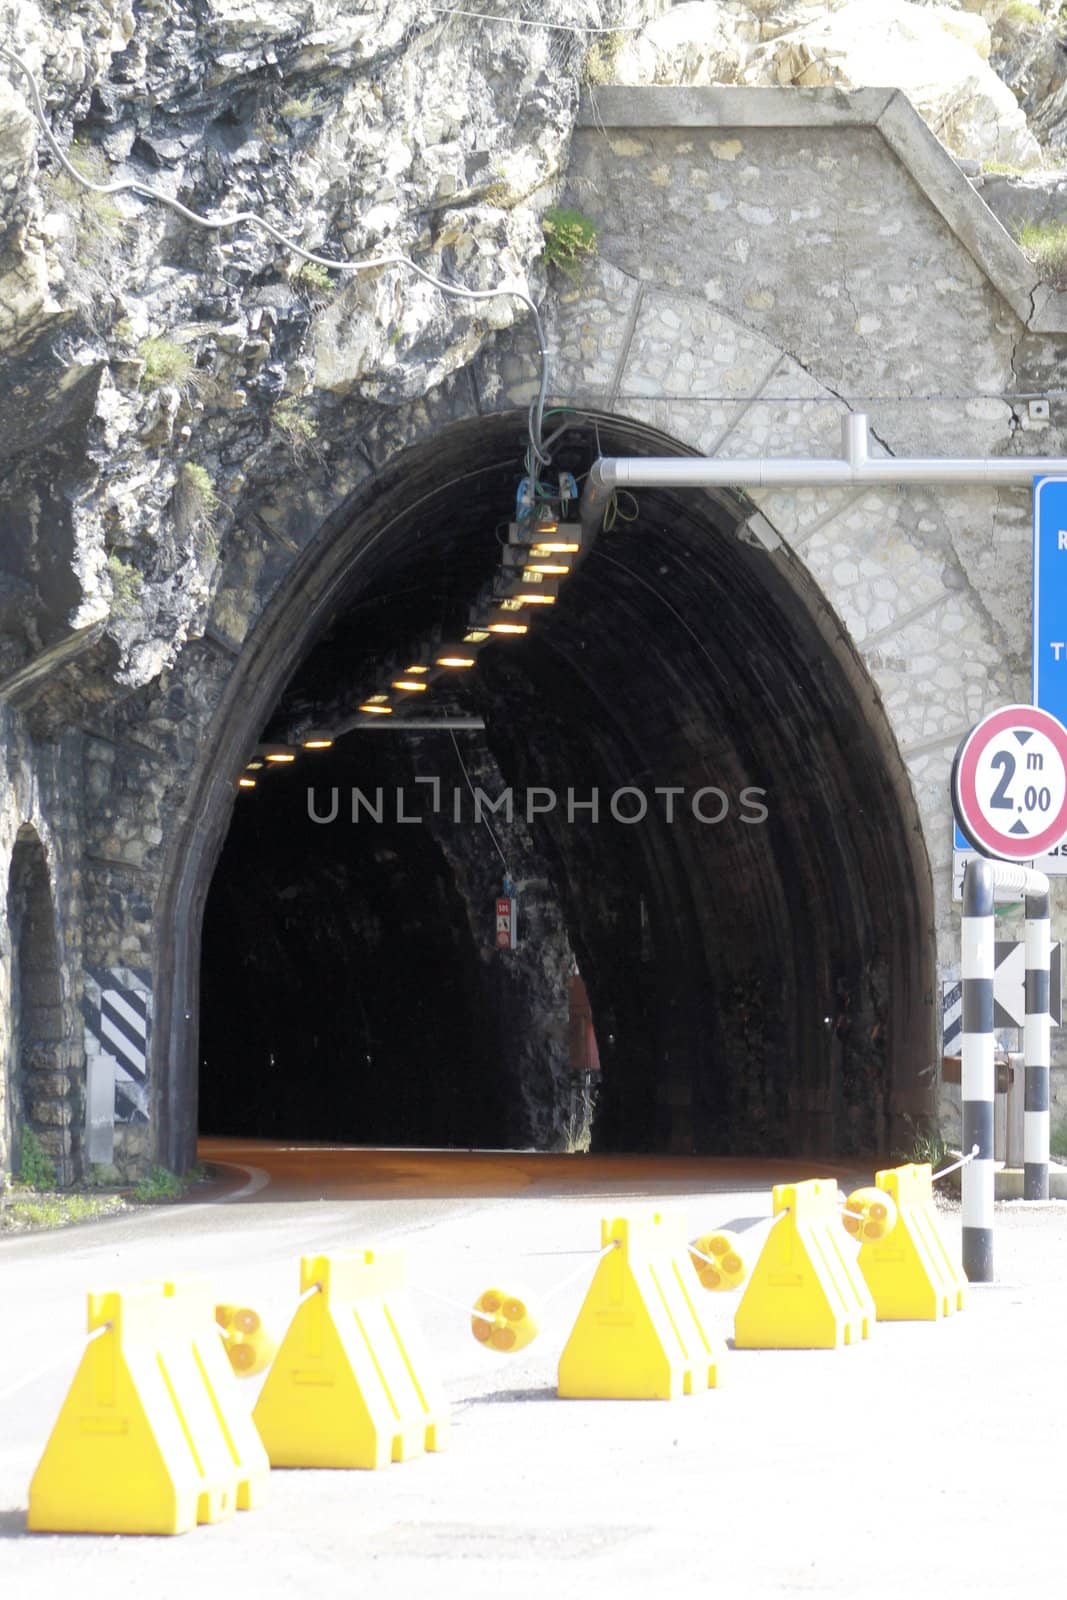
[
  {"x": 805, "y": 1292},
  {"x": 143, "y": 1441},
  {"x": 351, "y": 1385},
  {"x": 247, "y": 1343},
  {"x": 639, "y": 1333},
  {"x": 911, "y": 1273},
  {"x": 870, "y": 1214},
  {"x": 719, "y": 1260},
  {"x": 507, "y": 1321}
]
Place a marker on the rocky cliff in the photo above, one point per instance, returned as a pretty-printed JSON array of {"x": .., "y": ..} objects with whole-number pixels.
[{"x": 157, "y": 372}]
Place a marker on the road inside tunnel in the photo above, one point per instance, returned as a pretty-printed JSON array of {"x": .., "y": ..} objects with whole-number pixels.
[{"x": 749, "y": 906}]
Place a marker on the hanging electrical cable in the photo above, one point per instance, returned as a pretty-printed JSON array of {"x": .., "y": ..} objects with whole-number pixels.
[{"x": 238, "y": 219}]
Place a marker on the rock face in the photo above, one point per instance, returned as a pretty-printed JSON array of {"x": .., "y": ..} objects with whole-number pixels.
[
  {"x": 937, "y": 54},
  {"x": 154, "y": 369},
  {"x": 151, "y": 366}
]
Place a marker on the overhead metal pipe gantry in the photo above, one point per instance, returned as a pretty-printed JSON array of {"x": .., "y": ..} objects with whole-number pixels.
[{"x": 854, "y": 468}]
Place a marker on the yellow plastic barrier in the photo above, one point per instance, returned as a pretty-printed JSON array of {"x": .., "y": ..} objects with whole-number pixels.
[
  {"x": 911, "y": 1273},
  {"x": 719, "y": 1260},
  {"x": 806, "y": 1291},
  {"x": 869, "y": 1215},
  {"x": 639, "y": 1334},
  {"x": 247, "y": 1343},
  {"x": 351, "y": 1384},
  {"x": 512, "y": 1324},
  {"x": 152, "y": 1437}
]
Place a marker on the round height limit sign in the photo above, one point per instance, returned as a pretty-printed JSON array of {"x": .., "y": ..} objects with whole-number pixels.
[{"x": 1009, "y": 784}]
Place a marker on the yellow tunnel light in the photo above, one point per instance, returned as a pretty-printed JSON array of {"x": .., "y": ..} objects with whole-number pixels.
[
  {"x": 254, "y": 766},
  {"x": 318, "y": 742},
  {"x": 530, "y": 597},
  {"x": 246, "y": 783},
  {"x": 279, "y": 755},
  {"x": 555, "y": 547},
  {"x": 373, "y": 709},
  {"x": 410, "y": 685},
  {"x": 415, "y": 672},
  {"x": 455, "y": 661},
  {"x": 476, "y": 636},
  {"x": 545, "y": 569},
  {"x": 506, "y": 621}
]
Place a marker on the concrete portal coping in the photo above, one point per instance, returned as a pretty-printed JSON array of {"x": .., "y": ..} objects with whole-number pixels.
[{"x": 1039, "y": 307}]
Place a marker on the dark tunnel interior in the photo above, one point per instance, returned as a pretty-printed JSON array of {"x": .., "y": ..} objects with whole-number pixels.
[{"x": 760, "y": 974}]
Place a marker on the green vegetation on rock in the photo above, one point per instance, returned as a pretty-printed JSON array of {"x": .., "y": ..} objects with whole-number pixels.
[
  {"x": 570, "y": 237},
  {"x": 159, "y": 1185},
  {"x": 36, "y": 1169},
  {"x": 164, "y": 363},
  {"x": 1045, "y": 244}
]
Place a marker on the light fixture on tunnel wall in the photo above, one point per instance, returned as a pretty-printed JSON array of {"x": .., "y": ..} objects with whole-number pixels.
[
  {"x": 528, "y": 594},
  {"x": 504, "y": 623},
  {"x": 555, "y": 547},
  {"x": 254, "y": 766},
  {"x": 318, "y": 741},
  {"x": 536, "y": 541},
  {"x": 542, "y": 549},
  {"x": 279, "y": 755},
  {"x": 246, "y": 783}
]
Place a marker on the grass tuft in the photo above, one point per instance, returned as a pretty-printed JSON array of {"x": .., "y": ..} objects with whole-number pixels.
[
  {"x": 1045, "y": 245},
  {"x": 570, "y": 236},
  {"x": 36, "y": 1169},
  {"x": 165, "y": 363},
  {"x": 19, "y": 1213},
  {"x": 160, "y": 1185},
  {"x": 1021, "y": 11}
]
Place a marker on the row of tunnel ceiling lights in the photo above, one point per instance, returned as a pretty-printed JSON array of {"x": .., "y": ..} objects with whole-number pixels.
[{"x": 541, "y": 551}]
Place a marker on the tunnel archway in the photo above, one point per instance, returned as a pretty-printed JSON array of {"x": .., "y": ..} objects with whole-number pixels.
[
  {"x": 755, "y": 986},
  {"x": 36, "y": 1088}
]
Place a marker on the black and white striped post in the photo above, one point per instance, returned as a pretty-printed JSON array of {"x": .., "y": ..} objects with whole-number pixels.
[
  {"x": 1037, "y": 1024},
  {"x": 981, "y": 882}
]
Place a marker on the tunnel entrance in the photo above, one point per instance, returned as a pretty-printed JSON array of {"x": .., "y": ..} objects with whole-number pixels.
[{"x": 757, "y": 944}]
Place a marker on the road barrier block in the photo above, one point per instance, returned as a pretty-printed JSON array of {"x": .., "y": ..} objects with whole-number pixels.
[
  {"x": 351, "y": 1385},
  {"x": 806, "y": 1291},
  {"x": 639, "y": 1333},
  {"x": 911, "y": 1273},
  {"x": 719, "y": 1260},
  {"x": 248, "y": 1346},
  {"x": 507, "y": 1323},
  {"x": 151, "y": 1437}
]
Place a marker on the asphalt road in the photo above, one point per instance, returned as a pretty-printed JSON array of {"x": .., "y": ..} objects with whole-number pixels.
[{"x": 927, "y": 1460}]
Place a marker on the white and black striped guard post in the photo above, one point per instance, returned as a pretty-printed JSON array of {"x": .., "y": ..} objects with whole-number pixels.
[
  {"x": 980, "y": 884},
  {"x": 1036, "y": 1032}
]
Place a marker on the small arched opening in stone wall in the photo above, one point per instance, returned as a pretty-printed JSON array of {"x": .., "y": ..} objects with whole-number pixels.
[
  {"x": 37, "y": 1086},
  {"x": 758, "y": 983}
]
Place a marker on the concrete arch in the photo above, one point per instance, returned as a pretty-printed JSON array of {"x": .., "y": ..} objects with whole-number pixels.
[{"x": 405, "y": 515}]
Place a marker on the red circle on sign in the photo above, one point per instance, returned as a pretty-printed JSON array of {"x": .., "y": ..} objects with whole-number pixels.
[{"x": 972, "y": 820}]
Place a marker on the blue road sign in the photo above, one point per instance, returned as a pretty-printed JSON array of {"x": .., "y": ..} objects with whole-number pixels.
[{"x": 1050, "y": 596}]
